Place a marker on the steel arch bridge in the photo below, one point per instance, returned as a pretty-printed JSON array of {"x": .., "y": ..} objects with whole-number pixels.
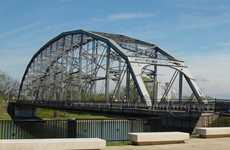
[{"x": 85, "y": 66}]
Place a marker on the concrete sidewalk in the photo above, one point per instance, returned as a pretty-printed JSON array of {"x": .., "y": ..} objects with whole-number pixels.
[{"x": 192, "y": 144}]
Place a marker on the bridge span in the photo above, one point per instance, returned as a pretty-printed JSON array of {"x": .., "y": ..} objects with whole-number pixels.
[
  {"x": 158, "y": 109},
  {"x": 109, "y": 73}
]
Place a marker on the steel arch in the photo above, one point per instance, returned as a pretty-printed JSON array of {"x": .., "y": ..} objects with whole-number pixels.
[{"x": 133, "y": 54}]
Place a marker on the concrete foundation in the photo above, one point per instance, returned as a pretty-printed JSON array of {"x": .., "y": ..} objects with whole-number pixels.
[
  {"x": 24, "y": 112},
  {"x": 21, "y": 112},
  {"x": 206, "y": 119}
]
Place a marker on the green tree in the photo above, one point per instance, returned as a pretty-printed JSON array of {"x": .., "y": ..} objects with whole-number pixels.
[{"x": 8, "y": 86}]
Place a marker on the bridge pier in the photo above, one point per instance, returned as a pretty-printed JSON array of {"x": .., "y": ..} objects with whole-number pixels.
[
  {"x": 206, "y": 119},
  {"x": 185, "y": 122},
  {"x": 21, "y": 112}
]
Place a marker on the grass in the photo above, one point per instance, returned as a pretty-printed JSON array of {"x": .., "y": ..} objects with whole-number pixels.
[
  {"x": 51, "y": 114},
  {"x": 222, "y": 121},
  {"x": 3, "y": 113}
]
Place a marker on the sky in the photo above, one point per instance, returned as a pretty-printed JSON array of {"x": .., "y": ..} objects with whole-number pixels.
[{"x": 196, "y": 31}]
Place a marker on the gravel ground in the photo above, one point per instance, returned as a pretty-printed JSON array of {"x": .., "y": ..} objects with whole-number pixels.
[{"x": 192, "y": 144}]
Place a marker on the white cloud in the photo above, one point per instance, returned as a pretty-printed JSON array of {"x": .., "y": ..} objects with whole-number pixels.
[
  {"x": 14, "y": 64},
  {"x": 19, "y": 30},
  {"x": 65, "y": 1},
  {"x": 202, "y": 5},
  {"x": 183, "y": 22},
  {"x": 124, "y": 16},
  {"x": 212, "y": 73},
  {"x": 201, "y": 21}
]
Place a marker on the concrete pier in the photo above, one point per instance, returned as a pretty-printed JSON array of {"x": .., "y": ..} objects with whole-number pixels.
[{"x": 21, "y": 112}]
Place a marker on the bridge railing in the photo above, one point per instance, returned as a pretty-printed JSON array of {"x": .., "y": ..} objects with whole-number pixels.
[{"x": 186, "y": 106}]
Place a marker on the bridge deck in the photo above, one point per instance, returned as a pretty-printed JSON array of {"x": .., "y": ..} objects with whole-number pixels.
[
  {"x": 174, "y": 108},
  {"x": 122, "y": 107}
]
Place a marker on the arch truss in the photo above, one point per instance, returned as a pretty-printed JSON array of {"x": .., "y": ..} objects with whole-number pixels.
[{"x": 94, "y": 66}]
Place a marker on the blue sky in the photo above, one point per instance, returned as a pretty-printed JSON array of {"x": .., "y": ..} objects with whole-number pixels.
[{"x": 195, "y": 30}]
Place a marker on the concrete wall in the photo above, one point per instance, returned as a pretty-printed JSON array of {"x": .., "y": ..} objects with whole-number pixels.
[{"x": 206, "y": 119}]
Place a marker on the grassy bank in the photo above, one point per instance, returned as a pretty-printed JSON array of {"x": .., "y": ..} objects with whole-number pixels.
[{"x": 51, "y": 114}]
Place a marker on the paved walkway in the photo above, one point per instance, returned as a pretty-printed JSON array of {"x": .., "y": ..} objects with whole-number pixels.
[{"x": 192, "y": 144}]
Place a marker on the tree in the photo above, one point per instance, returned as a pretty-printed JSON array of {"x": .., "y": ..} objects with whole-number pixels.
[{"x": 8, "y": 86}]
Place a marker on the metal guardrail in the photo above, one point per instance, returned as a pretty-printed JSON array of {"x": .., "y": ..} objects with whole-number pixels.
[{"x": 110, "y": 130}]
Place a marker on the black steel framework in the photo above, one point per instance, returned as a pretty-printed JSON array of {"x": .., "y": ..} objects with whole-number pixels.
[{"x": 81, "y": 66}]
